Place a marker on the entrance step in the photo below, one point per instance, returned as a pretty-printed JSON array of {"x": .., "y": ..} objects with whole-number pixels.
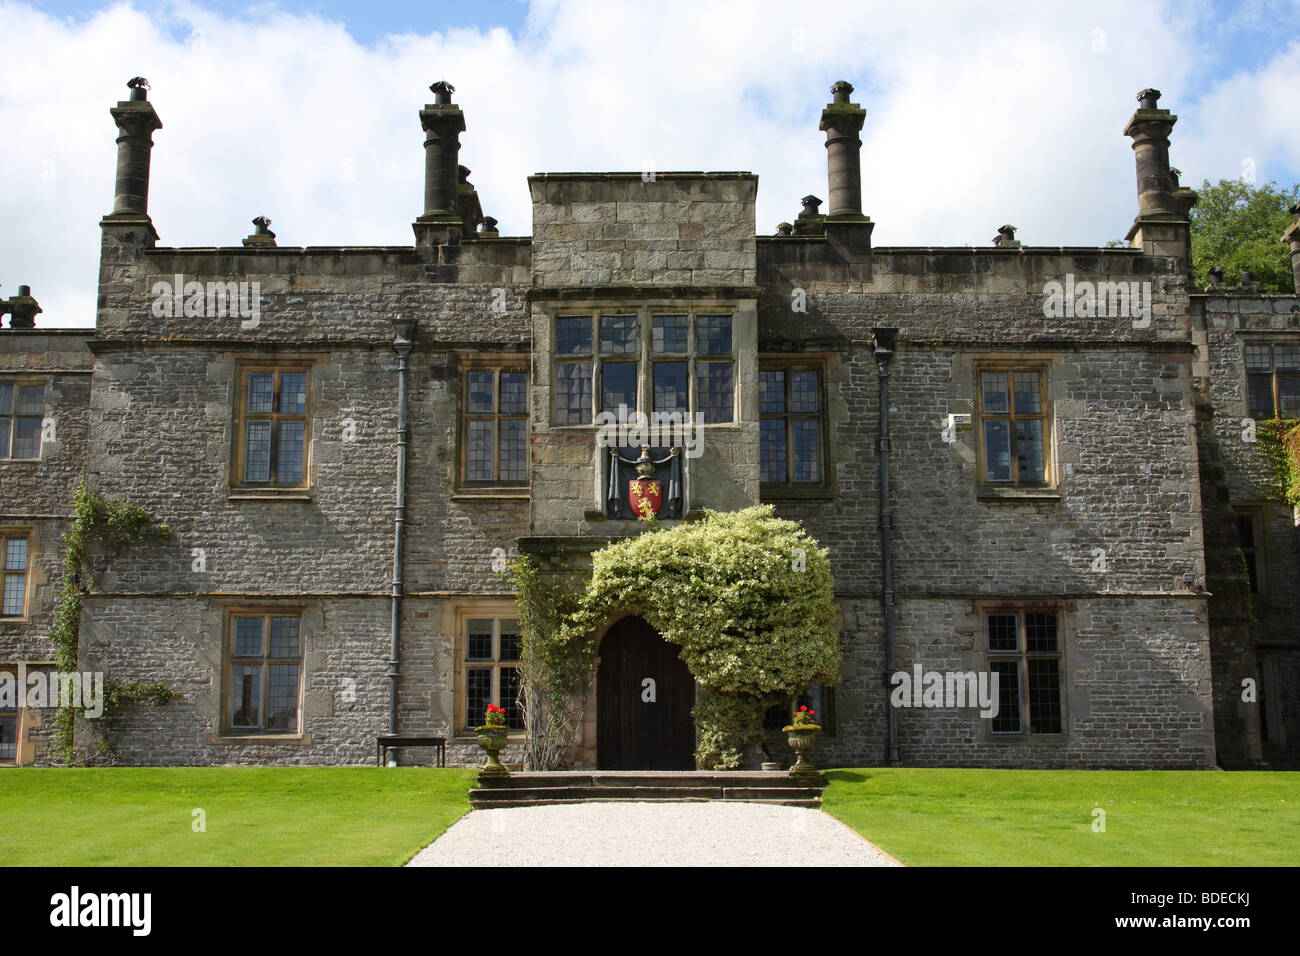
[{"x": 535, "y": 789}]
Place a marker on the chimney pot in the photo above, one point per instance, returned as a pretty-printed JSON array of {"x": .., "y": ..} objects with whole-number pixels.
[
  {"x": 840, "y": 91},
  {"x": 22, "y": 309},
  {"x": 810, "y": 204},
  {"x": 1216, "y": 275},
  {"x": 1148, "y": 99},
  {"x": 442, "y": 91},
  {"x": 139, "y": 88},
  {"x": 784, "y": 229}
]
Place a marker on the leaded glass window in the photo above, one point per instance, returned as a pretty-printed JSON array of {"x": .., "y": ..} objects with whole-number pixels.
[
  {"x": 22, "y": 410},
  {"x": 273, "y": 427},
  {"x": 492, "y": 649},
  {"x": 495, "y": 421},
  {"x": 644, "y": 360},
  {"x": 790, "y": 426},
  {"x": 1273, "y": 380},
  {"x": 265, "y": 673},
  {"x": 1013, "y": 421},
  {"x": 1024, "y": 652}
]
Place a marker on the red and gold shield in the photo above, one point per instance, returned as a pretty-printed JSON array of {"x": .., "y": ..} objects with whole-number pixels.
[{"x": 643, "y": 494}]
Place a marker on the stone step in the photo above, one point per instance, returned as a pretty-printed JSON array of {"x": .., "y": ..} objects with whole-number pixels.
[
  {"x": 535, "y": 789},
  {"x": 810, "y": 803},
  {"x": 593, "y": 793},
  {"x": 640, "y": 778}
]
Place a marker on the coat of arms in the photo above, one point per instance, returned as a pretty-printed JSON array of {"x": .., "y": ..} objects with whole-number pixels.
[
  {"x": 646, "y": 497},
  {"x": 644, "y": 493}
]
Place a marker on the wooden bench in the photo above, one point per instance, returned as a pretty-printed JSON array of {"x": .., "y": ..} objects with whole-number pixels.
[{"x": 387, "y": 742}]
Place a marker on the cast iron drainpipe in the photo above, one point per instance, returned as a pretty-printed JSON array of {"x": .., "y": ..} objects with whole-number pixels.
[
  {"x": 884, "y": 350},
  {"x": 402, "y": 332}
]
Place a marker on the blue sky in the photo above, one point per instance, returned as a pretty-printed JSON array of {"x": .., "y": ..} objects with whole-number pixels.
[{"x": 977, "y": 113}]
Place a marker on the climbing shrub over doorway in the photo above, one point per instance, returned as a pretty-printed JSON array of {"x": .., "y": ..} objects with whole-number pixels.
[
  {"x": 746, "y": 596},
  {"x": 553, "y": 670}
]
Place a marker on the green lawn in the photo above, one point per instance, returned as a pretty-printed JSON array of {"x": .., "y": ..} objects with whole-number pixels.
[
  {"x": 1045, "y": 817},
  {"x": 281, "y": 816}
]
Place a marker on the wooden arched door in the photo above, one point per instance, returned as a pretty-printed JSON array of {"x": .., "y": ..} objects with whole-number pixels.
[{"x": 644, "y": 695}]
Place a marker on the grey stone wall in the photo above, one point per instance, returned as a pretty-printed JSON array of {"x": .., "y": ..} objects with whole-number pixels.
[
  {"x": 1224, "y": 325},
  {"x": 37, "y": 496}
]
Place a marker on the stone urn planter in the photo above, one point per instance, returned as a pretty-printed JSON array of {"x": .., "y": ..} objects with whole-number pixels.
[
  {"x": 492, "y": 738},
  {"x": 802, "y": 736}
]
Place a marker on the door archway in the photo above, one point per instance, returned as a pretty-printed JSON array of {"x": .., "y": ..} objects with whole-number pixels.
[{"x": 644, "y": 696}]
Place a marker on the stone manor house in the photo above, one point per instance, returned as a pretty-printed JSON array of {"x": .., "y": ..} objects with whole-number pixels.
[{"x": 348, "y": 441}]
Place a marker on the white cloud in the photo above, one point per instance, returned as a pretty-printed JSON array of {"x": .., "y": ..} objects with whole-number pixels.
[{"x": 976, "y": 116}]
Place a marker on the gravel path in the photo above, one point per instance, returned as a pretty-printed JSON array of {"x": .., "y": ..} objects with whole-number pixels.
[{"x": 717, "y": 833}]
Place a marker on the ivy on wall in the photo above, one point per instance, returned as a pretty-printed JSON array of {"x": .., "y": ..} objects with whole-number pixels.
[
  {"x": 1279, "y": 441},
  {"x": 746, "y": 596},
  {"x": 554, "y": 671},
  {"x": 112, "y": 524}
]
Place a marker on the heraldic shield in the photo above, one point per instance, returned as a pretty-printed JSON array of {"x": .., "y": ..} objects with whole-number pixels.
[
  {"x": 645, "y": 495},
  {"x": 644, "y": 485}
]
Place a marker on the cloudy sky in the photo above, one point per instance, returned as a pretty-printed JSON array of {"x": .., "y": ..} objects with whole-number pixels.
[{"x": 978, "y": 113}]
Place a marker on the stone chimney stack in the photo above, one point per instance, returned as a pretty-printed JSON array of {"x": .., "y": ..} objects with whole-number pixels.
[
  {"x": 22, "y": 308},
  {"x": 842, "y": 121},
  {"x": 136, "y": 122},
  {"x": 1161, "y": 227},
  {"x": 1292, "y": 237},
  {"x": 443, "y": 123}
]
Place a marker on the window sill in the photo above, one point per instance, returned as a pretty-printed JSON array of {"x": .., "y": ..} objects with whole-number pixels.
[
  {"x": 470, "y": 737},
  {"x": 269, "y": 494},
  {"x": 513, "y": 492},
  {"x": 1013, "y": 493},
  {"x": 290, "y": 739},
  {"x": 1048, "y": 740},
  {"x": 813, "y": 492}
]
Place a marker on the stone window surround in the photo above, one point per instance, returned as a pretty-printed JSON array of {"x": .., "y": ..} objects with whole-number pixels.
[
  {"x": 1053, "y": 485},
  {"x": 260, "y": 609},
  {"x": 1256, "y": 512},
  {"x": 29, "y": 573},
  {"x": 237, "y": 488},
  {"x": 496, "y": 361},
  {"x": 454, "y": 615},
  {"x": 1273, "y": 372},
  {"x": 820, "y": 361},
  {"x": 14, "y": 381},
  {"x": 645, "y": 357},
  {"x": 1064, "y": 640}
]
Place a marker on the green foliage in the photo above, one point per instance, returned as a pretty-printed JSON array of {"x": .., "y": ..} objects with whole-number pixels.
[
  {"x": 1239, "y": 226},
  {"x": 554, "y": 671},
  {"x": 1278, "y": 440},
  {"x": 746, "y": 596},
  {"x": 112, "y": 524},
  {"x": 726, "y": 724}
]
